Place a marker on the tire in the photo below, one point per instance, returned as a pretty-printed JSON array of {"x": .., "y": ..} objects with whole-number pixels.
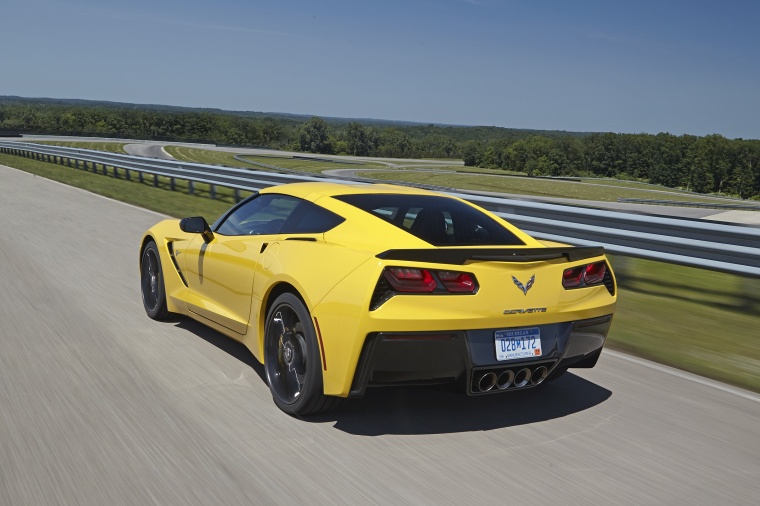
[
  {"x": 292, "y": 359},
  {"x": 152, "y": 283}
]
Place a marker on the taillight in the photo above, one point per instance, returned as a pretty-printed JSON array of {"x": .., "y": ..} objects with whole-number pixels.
[
  {"x": 572, "y": 277},
  {"x": 584, "y": 275},
  {"x": 594, "y": 273},
  {"x": 411, "y": 280},
  {"x": 457, "y": 282},
  {"x": 406, "y": 280}
]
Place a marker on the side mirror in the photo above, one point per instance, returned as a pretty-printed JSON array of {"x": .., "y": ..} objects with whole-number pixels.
[{"x": 197, "y": 225}]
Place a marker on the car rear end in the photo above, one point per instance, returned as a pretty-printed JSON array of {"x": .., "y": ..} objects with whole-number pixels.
[
  {"x": 455, "y": 294},
  {"x": 495, "y": 325}
]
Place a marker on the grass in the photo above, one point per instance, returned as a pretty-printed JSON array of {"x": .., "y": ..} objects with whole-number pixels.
[
  {"x": 700, "y": 321},
  {"x": 530, "y": 186},
  {"x": 313, "y": 166},
  {"x": 206, "y": 156},
  {"x": 696, "y": 320},
  {"x": 111, "y": 147}
]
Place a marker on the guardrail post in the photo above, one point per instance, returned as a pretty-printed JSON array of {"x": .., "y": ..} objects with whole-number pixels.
[
  {"x": 115, "y": 172},
  {"x": 105, "y": 170},
  {"x": 237, "y": 195},
  {"x": 212, "y": 191},
  {"x": 127, "y": 175},
  {"x": 140, "y": 177},
  {"x": 155, "y": 180},
  {"x": 172, "y": 184},
  {"x": 190, "y": 187}
]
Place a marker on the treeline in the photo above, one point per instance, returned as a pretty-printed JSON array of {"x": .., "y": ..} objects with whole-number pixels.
[
  {"x": 703, "y": 164},
  {"x": 710, "y": 164}
]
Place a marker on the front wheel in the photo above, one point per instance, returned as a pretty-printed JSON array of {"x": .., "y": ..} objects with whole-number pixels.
[
  {"x": 152, "y": 283},
  {"x": 292, "y": 359}
]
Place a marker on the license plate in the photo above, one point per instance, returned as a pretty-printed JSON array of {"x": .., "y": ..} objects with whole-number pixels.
[{"x": 518, "y": 343}]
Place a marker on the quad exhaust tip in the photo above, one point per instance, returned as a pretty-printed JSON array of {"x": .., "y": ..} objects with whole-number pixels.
[
  {"x": 487, "y": 382},
  {"x": 511, "y": 378}
]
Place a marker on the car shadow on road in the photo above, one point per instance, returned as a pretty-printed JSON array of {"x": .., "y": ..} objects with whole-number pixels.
[
  {"x": 432, "y": 410},
  {"x": 412, "y": 410}
]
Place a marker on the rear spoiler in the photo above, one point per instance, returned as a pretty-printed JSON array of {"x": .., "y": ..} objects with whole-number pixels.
[{"x": 460, "y": 256}]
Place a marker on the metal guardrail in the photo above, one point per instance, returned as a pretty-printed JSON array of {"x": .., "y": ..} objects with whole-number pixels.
[
  {"x": 721, "y": 247},
  {"x": 705, "y": 205}
]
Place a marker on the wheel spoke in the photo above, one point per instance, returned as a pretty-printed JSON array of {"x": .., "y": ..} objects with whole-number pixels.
[{"x": 286, "y": 350}]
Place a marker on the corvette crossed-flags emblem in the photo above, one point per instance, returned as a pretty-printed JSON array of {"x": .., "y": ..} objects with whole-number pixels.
[{"x": 526, "y": 286}]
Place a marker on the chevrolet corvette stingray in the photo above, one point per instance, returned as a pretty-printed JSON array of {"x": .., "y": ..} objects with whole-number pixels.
[{"x": 338, "y": 288}]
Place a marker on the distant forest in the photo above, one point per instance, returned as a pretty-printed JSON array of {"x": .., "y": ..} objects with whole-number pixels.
[{"x": 710, "y": 164}]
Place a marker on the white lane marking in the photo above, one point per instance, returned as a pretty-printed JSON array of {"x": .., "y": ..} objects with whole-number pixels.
[{"x": 746, "y": 394}]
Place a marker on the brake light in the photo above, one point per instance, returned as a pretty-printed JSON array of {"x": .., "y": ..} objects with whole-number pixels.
[
  {"x": 411, "y": 280},
  {"x": 572, "y": 277},
  {"x": 584, "y": 275},
  {"x": 457, "y": 282},
  {"x": 594, "y": 273}
]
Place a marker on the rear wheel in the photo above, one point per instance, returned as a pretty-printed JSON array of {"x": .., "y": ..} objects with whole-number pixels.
[
  {"x": 292, "y": 359},
  {"x": 152, "y": 283}
]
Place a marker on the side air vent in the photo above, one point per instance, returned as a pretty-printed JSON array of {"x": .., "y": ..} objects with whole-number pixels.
[{"x": 170, "y": 247}]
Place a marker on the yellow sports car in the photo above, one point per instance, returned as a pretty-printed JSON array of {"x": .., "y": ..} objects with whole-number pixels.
[{"x": 337, "y": 288}]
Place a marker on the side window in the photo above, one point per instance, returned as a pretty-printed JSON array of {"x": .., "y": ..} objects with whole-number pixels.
[
  {"x": 265, "y": 214},
  {"x": 309, "y": 218}
]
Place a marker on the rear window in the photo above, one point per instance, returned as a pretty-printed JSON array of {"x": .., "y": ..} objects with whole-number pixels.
[{"x": 440, "y": 221}]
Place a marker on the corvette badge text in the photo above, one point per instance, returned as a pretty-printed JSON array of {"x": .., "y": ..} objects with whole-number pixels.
[{"x": 525, "y": 311}]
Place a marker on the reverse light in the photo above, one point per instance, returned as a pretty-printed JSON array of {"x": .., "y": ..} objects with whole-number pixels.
[{"x": 584, "y": 275}]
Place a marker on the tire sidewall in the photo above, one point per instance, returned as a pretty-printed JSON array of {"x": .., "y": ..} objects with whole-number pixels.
[
  {"x": 313, "y": 388},
  {"x": 160, "y": 310}
]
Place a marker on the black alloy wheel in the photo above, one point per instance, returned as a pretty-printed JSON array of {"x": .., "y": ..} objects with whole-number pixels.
[
  {"x": 292, "y": 358},
  {"x": 152, "y": 283}
]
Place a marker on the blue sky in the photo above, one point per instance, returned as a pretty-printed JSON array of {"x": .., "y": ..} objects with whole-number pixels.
[{"x": 622, "y": 66}]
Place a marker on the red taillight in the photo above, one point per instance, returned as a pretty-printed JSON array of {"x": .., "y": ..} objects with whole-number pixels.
[
  {"x": 594, "y": 273},
  {"x": 411, "y": 280},
  {"x": 584, "y": 275},
  {"x": 572, "y": 277},
  {"x": 458, "y": 282}
]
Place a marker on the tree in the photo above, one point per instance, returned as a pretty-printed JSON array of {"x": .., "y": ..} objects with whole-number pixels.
[
  {"x": 314, "y": 136},
  {"x": 356, "y": 137}
]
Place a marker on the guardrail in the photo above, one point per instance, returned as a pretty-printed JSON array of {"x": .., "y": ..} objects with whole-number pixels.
[
  {"x": 715, "y": 246},
  {"x": 681, "y": 203}
]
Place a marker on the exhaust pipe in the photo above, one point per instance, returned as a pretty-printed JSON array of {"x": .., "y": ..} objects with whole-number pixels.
[
  {"x": 539, "y": 375},
  {"x": 487, "y": 382},
  {"x": 522, "y": 377},
  {"x": 505, "y": 380}
]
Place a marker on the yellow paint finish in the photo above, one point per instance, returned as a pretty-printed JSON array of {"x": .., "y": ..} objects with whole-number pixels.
[{"x": 231, "y": 282}]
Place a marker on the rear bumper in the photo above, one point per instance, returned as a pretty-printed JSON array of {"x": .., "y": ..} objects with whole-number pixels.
[{"x": 399, "y": 358}]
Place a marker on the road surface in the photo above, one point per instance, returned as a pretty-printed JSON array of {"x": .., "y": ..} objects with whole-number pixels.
[{"x": 101, "y": 405}]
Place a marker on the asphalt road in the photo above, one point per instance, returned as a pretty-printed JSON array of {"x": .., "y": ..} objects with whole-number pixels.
[{"x": 101, "y": 405}]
